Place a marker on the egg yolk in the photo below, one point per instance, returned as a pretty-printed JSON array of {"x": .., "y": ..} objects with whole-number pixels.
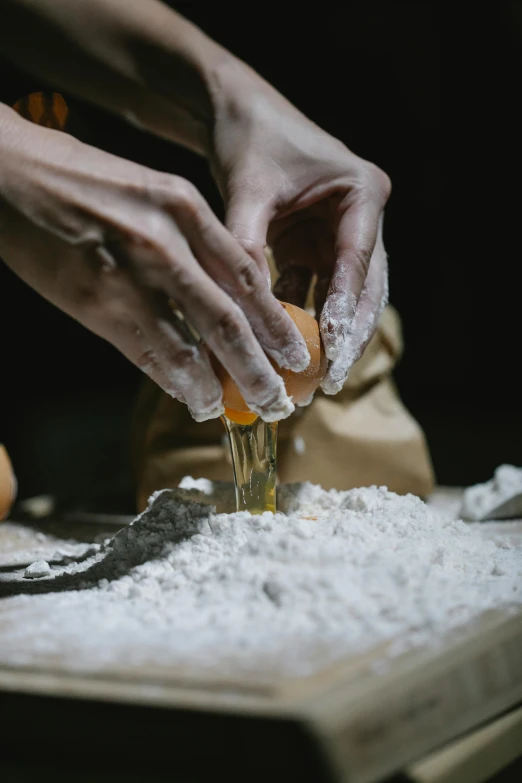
[{"x": 240, "y": 417}]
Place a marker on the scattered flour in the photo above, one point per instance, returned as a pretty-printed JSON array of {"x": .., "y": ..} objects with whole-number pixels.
[
  {"x": 37, "y": 569},
  {"x": 271, "y": 595},
  {"x": 482, "y": 499}
]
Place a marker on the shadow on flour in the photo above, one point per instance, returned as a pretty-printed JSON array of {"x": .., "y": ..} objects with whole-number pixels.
[{"x": 170, "y": 519}]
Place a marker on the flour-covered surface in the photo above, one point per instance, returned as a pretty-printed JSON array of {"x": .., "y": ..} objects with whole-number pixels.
[
  {"x": 270, "y": 596},
  {"x": 500, "y": 496},
  {"x": 24, "y": 543},
  {"x": 21, "y": 545},
  {"x": 16, "y": 539},
  {"x": 447, "y": 502}
]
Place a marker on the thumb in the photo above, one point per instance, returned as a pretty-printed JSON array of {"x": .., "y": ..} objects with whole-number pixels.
[{"x": 247, "y": 221}]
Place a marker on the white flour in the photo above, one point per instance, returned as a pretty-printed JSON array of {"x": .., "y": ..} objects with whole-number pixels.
[
  {"x": 271, "y": 595},
  {"x": 38, "y": 569},
  {"x": 481, "y": 500}
]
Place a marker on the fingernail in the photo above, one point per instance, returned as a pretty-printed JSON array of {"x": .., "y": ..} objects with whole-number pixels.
[
  {"x": 278, "y": 407},
  {"x": 298, "y": 356},
  {"x": 331, "y": 387},
  {"x": 282, "y": 410},
  {"x": 338, "y": 370},
  {"x": 176, "y": 396},
  {"x": 331, "y": 341},
  {"x": 204, "y": 414},
  {"x": 336, "y": 335},
  {"x": 336, "y": 323},
  {"x": 295, "y": 357}
]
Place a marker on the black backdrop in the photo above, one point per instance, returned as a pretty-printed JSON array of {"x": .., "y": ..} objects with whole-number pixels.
[{"x": 432, "y": 97}]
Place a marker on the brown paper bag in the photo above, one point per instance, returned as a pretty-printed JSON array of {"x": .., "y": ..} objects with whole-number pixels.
[{"x": 362, "y": 436}]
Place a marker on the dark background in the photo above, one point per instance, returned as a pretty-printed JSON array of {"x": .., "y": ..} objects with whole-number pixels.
[{"x": 432, "y": 96}]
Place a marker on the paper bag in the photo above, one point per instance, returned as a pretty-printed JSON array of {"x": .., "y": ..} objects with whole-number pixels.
[{"x": 362, "y": 436}]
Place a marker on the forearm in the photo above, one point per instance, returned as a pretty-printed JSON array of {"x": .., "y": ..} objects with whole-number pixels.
[
  {"x": 15, "y": 134},
  {"x": 137, "y": 58}
]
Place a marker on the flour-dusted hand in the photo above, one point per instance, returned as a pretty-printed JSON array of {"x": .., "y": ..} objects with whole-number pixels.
[
  {"x": 319, "y": 207},
  {"x": 285, "y": 181},
  {"x": 110, "y": 242}
]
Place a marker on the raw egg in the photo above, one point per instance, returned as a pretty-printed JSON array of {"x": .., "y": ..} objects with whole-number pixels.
[
  {"x": 7, "y": 483},
  {"x": 299, "y": 385}
]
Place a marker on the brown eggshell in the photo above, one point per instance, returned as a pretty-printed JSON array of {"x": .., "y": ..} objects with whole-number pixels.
[
  {"x": 7, "y": 483},
  {"x": 299, "y": 386}
]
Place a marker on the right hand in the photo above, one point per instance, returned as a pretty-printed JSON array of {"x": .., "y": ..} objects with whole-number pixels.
[{"x": 110, "y": 242}]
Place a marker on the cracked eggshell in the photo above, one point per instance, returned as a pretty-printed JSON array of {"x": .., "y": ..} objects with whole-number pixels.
[{"x": 300, "y": 385}]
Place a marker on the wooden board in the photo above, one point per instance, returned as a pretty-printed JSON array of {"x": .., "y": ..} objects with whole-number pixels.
[
  {"x": 357, "y": 722},
  {"x": 476, "y": 757},
  {"x": 363, "y": 724}
]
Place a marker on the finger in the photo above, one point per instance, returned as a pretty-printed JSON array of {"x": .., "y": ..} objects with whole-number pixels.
[
  {"x": 220, "y": 322},
  {"x": 183, "y": 361},
  {"x": 373, "y": 301},
  {"x": 247, "y": 221},
  {"x": 356, "y": 237},
  {"x": 145, "y": 330},
  {"x": 129, "y": 339},
  {"x": 369, "y": 310},
  {"x": 237, "y": 274}
]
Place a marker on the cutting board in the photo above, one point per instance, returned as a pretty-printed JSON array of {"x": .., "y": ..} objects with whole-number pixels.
[{"x": 357, "y": 722}]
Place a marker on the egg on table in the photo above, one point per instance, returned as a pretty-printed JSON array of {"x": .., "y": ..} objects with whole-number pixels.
[
  {"x": 7, "y": 483},
  {"x": 299, "y": 385}
]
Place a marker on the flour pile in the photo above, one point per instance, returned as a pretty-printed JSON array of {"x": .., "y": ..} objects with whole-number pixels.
[
  {"x": 274, "y": 595},
  {"x": 481, "y": 500}
]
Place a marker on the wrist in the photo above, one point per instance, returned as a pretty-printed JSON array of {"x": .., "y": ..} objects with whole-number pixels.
[
  {"x": 235, "y": 90},
  {"x": 243, "y": 103}
]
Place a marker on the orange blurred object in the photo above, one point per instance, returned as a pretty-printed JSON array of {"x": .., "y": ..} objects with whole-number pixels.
[
  {"x": 47, "y": 109},
  {"x": 7, "y": 483},
  {"x": 299, "y": 386}
]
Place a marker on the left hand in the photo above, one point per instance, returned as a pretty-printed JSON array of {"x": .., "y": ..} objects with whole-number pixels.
[{"x": 320, "y": 208}]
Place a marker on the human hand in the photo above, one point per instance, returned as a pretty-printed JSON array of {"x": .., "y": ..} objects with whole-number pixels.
[
  {"x": 320, "y": 207},
  {"x": 284, "y": 181},
  {"x": 110, "y": 242}
]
